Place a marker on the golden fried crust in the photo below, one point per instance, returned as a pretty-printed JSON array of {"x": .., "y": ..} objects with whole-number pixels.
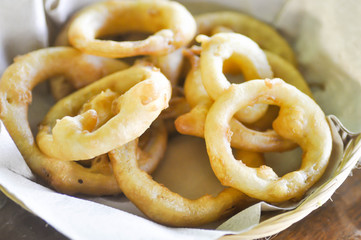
[
  {"x": 173, "y": 27},
  {"x": 192, "y": 123},
  {"x": 145, "y": 92},
  {"x": 15, "y": 95},
  {"x": 300, "y": 119},
  {"x": 164, "y": 206},
  {"x": 246, "y": 54}
]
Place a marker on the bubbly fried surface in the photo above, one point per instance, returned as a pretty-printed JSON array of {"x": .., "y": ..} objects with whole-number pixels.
[
  {"x": 173, "y": 27},
  {"x": 300, "y": 119}
]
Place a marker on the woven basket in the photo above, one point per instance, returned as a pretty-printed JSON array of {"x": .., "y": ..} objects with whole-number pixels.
[{"x": 351, "y": 143}]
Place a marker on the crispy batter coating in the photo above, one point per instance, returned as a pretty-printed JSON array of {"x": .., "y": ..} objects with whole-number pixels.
[
  {"x": 300, "y": 119},
  {"x": 173, "y": 27}
]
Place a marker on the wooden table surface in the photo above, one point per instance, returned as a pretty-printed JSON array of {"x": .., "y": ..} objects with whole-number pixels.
[{"x": 338, "y": 218}]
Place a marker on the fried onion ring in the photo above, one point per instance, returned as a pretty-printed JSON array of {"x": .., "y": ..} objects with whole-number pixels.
[
  {"x": 241, "y": 50},
  {"x": 152, "y": 143},
  {"x": 192, "y": 123},
  {"x": 173, "y": 27},
  {"x": 281, "y": 69},
  {"x": 263, "y": 34},
  {"x": 300, "y": 119},
  {"x": 145, "y": 93},
  {"x": 169, "y": 64},
  {"x": 16, "y": 85},
  {"x": 164, "y": 206},
  {"x": 250, "y": 159},
  {"x": 15, "y": 95}
]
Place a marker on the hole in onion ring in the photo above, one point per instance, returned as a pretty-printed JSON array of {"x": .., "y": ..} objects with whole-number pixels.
[
  {"x": 185, "y": 168},
  {"x": 130, "y": 36},
  {"x": 265, "y": 122},
  {"x": 39, "y": 107},
  {"x": 234, "y": 78},
  {"x": 168, "y": 21},
  {"x": 280, "y": 163}
]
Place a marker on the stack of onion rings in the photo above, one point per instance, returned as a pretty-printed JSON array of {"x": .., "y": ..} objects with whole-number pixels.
[
  {"x": 192, "y": 123},
  {"x": 15, "y": 95},
  {"x": 170, "y": 64},
  {"x": 137, "y": 108},
  {"x": 109, "y": 134}
]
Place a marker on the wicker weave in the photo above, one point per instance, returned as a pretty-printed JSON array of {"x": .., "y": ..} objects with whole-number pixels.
[{"x": 351, "y": 156}]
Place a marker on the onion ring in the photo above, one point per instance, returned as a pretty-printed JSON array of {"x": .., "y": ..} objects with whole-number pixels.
[
  {"x": 74, "y": 138},
  {"x": 192, "y": 123},
  {"x": 152, "y": 143},
  {"x": 164, "y": 206},
  {"x": 170, "y": 65},
  {"x": 248, "y": 56},
  {"x": 300, "y": 119},
  {"x": 15, "y": 95},
  {"x": 263, "y": 34},
  {"x": 172, "y": 24}
]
